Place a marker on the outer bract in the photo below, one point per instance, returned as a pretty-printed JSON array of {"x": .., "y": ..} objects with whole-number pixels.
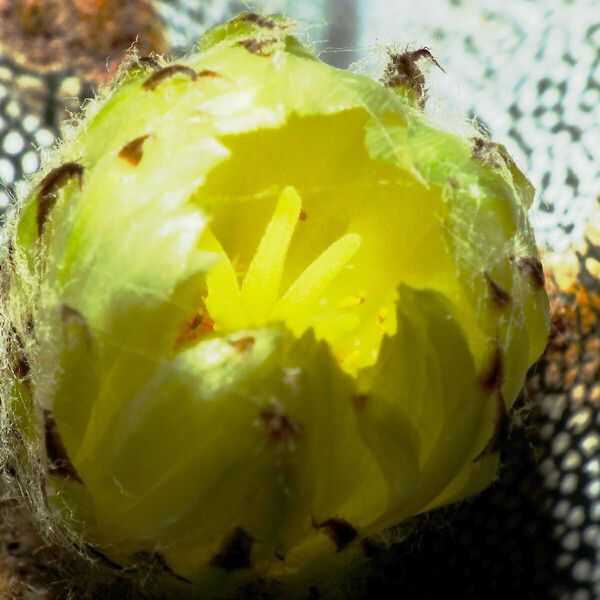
[{"x": 259, "y": 309}]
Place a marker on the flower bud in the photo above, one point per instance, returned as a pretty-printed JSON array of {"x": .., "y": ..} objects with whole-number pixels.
[{"x": 258, "y": 309}]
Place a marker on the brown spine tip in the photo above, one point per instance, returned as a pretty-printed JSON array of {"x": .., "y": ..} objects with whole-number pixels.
[
  {"x": 235, "y": 552},
  {"x": 483, "y": 151},
  {"x": 133, "y": 151},
  {"x": 360, "y": 401},
  {"x": 493, "y": 377},
  {"x": 49, "y": 187},
  {"x": 202, "y": 323},
  {"x": 500, "y": 433},
  {"x": 243, "y": 344},
  {"x": 157, "y": 561},
  {"x": 280, "y": 427},
  {"x": 60, "y": 464},
  {"x": 199, "y": 325},
  {"x": 142, "y": 65},
  {"x": 259, "y": 47},
  {"x": 402, "y": 71},
  {"x": 303, "y": 215},
  {"x": 96, "y": 553},
  {"x": 148, "y": 62},
  {"x": 156, "y": 78},
  {"x": 499, "y": 296},
  {"x": 209, "y": 73},
  {"x": 250, "y": 17},
  {"x": 340, "y": 531},
  {"x": 533, "y": 268}
]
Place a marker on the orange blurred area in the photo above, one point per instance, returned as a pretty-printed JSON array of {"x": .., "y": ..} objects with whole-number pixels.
[{"x": 87, "y": 36}]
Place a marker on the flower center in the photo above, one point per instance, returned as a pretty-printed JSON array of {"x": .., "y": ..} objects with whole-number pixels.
[{"x": 258, "y": 299}]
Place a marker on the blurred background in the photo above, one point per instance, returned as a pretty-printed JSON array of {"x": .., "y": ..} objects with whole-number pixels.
[{"x": 528, "y": 73}]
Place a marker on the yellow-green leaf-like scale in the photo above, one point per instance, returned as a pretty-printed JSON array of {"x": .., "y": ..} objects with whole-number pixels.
[{"x": 265, "y": 311}]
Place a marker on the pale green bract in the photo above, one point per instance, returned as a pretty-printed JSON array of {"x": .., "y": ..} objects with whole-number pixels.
[{"x": 258, "y": 310}]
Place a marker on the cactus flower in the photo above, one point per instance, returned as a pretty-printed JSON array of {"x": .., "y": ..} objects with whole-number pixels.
[{"x": 258, "y": 309}]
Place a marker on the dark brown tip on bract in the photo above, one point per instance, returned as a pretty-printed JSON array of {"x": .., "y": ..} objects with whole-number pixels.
[
  {"x": 49, "y": 187},
  {"x": 280, "y": 427},
  {"x": 340, "y": 531},
  {"x": 156, "y": 560},
  {"x": 156, "y": 78},
  {"x": 499, "y": 296},
  {"x": 60, "y": 463},
  {"x": 500, "y": 433},
  {"x": 243, "y": 344},
  {"x": 493, "y": 377},
  {"x": 360, "y": 401},
  {"x": 99, "y": 555},
  {"x": 235, "y": 552},
  {"x": 250, "y": 17},
  {"x": 209, "y": 73},
  {"x": 259, "y": 47},
  {"x": 133, "y": 151},
  {"x": 198, "y": 325},
  {"x": 402, "y": 71},
  {"x": 148, "y": 62},
  {"x": 485, "y": 152},
  {"x": 143, "y": 64},
  {"x": 533, "y": 268}
]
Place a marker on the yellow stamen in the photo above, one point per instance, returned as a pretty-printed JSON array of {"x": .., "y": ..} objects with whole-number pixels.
[
  {"x": 257, "y": 300},
  {"x": 306, "y": 290},
  {"x": 223, "y": 301},
  {"x": 260, "y": 288}
]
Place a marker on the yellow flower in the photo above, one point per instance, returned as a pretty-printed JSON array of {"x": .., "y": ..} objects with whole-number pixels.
[{"x": 264, "y": 309}]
